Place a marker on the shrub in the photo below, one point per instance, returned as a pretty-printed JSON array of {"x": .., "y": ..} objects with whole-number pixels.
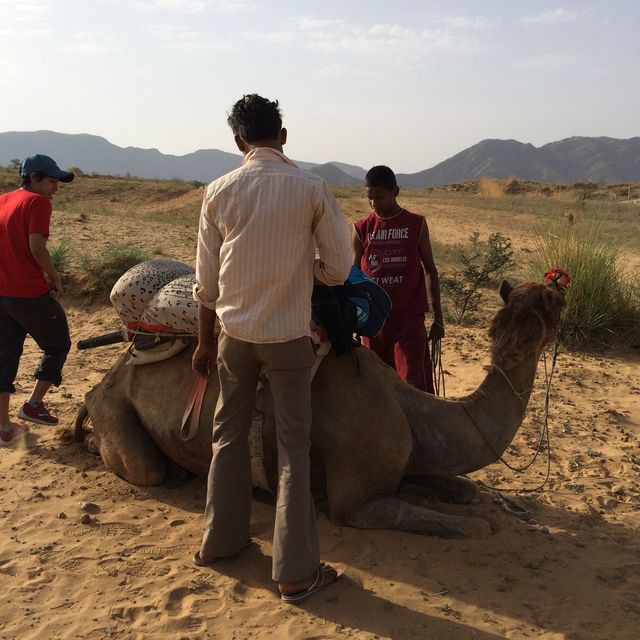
[
  {"x": 583, "y": 192},
  {"x": 603, "y": 302},
  {"x": 60, "y": 255},
  {"x": 101, "y": 272},
  {"x": 479, "y": 264},
  {"x": 513, "y": 186}
]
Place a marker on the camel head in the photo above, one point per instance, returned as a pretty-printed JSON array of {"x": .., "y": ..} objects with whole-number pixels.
[{"x": 527, "y": 322}]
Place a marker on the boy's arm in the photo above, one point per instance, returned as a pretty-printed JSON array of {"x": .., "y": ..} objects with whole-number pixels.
[
  {"x": 40, "y": 253},
  {"x": 356, "y": 248},
  {"x": 426, "y": 256}
]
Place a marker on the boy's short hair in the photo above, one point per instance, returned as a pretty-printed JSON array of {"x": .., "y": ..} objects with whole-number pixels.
[
  {"x": 255, "y": 118},
  {"x": 381, "y": 176},
  {"x": 25, "y": 180}
]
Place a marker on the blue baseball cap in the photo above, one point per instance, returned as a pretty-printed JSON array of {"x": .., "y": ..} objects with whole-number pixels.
[{"x": 45, "y": 165}]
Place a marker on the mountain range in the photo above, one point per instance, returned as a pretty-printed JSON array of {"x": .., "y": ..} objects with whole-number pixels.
[{"x": 578, "y": 159}]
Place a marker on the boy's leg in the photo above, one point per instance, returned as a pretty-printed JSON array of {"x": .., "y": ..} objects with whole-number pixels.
[
  {"x": 4, "y": 408},
  {"x": 228, "y": 509},
  {"x": 412, "y": 353},
  {"x": 12, "y": 335},
  {"x": 382, "y": 344},
  {"x": 44, "y": 319},
  {"x": 296, "y": 549},
  {"x": 39, "y": 391}
]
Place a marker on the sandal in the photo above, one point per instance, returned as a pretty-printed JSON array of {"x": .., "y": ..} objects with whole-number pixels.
[{"x": 325, "y": 575}]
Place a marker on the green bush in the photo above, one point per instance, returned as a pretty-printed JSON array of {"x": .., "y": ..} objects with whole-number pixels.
[
  {"x": 60, "y": 255},
  {"x": 101, "y": 272},
  {"x": 603, "y": 301},
  {"x": 479, "y": 264}
]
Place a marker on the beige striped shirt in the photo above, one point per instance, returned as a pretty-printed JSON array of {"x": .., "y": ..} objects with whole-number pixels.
[{"x": 259, "y": 229}]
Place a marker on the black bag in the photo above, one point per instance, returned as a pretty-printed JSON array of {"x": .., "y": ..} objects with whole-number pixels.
[
  {"x": 333, "y": 309},
  {"x": 359, "y": 306}
]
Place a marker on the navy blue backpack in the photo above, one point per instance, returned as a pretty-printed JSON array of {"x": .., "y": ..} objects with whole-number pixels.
[{"x": 359, "y": 306}]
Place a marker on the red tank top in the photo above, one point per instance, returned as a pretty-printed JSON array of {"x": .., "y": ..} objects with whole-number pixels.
[{"x": 391, "y": 256}]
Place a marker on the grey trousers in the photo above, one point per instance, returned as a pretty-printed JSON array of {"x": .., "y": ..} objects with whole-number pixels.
[{"x": 296, "y": 552}]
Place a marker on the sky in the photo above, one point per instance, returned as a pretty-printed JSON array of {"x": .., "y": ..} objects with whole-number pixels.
[{"x": 406, "y": 83}]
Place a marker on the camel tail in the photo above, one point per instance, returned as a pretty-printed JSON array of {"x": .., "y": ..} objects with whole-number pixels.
[{"x": 81, "y": 419}]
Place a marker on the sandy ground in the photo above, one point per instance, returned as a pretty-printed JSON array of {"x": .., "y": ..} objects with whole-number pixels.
[{"x": 86, "y": 555}]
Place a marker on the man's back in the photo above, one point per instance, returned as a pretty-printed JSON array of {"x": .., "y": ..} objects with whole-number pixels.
[{"x": 266, "y": 218}]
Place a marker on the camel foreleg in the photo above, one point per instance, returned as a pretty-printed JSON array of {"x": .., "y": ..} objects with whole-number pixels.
[
  {"x": 391, "y": 512},
  {"x": 456, "y": 489},
  {"x": 125, "y": 447}
]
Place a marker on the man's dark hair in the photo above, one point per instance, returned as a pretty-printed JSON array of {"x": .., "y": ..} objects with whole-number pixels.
[
  {"x": 25, "y": 181},
  {"x": 381, "y": 176},
  {"x": 255, "y": 118}
]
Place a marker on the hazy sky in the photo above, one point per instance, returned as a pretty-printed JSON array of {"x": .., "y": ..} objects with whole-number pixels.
[{"x": 406, "y": 83}]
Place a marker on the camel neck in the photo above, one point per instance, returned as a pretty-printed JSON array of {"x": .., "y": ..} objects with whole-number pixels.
[{"x": 461, "y": 435}]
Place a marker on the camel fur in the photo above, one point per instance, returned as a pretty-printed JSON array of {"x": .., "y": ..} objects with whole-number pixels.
[{"x": 381, "y": 449}]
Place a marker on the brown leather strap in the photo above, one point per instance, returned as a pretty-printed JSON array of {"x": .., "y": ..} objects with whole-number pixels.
[{"x": 193, "y": 408}]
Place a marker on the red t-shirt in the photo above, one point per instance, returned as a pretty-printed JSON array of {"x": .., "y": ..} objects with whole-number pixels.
[
  {"x": 391, "y": 256},
  {"x": 22, "y": 213}
]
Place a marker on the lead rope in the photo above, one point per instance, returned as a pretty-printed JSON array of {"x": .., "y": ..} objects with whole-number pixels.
[
  {"x": 437, "y": 369},
  {"x": 544, "y": 433}
]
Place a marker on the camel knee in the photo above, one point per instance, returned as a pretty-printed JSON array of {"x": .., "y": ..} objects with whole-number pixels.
[
  {"x": 456, "y": 490},
  {"x": 139, "y": 471}
]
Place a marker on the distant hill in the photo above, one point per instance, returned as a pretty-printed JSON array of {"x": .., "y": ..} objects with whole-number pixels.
[
  {"x": 93, "y": 154},
  {"x": 600, "y": 160},
  {"x": 333, "y": 175},
  {"x": 351, "y": 169},
  {"x": 578, "y": 159}
]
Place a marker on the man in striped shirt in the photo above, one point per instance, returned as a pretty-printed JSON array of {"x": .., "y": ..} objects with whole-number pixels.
[{"x": 255, "y": 268}]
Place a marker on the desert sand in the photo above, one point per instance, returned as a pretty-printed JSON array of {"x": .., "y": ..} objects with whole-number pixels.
[{"x": 86, "y": 555}]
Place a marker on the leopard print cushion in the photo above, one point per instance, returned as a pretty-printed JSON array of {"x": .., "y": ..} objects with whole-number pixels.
[{"x": 135, "y": 289}]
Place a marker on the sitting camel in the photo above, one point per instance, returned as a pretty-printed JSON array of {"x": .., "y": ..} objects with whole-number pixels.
[{"x": 375, "y": 439}]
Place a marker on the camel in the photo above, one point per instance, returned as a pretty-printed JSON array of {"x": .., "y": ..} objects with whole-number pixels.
[{"x": 381, "y": 449}]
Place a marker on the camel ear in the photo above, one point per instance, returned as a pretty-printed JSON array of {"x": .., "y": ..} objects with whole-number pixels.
[{"x": 505, "y": 291}]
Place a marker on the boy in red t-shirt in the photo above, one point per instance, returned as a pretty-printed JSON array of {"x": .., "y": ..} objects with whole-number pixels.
[
  {"x": 28, "y": 302},
  {"x": 392, "y": 246}
]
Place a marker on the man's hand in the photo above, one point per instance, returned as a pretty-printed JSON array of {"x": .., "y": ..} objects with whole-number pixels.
[
  {"x": 204, "y": 359},
  {"x": 437, "y": 330}
]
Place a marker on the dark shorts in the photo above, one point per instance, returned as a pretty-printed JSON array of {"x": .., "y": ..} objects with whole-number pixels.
[{"x": 44, "y": 319}]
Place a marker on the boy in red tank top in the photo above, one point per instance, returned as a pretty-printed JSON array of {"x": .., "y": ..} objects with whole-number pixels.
[{"x": 391, "y": 245}]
